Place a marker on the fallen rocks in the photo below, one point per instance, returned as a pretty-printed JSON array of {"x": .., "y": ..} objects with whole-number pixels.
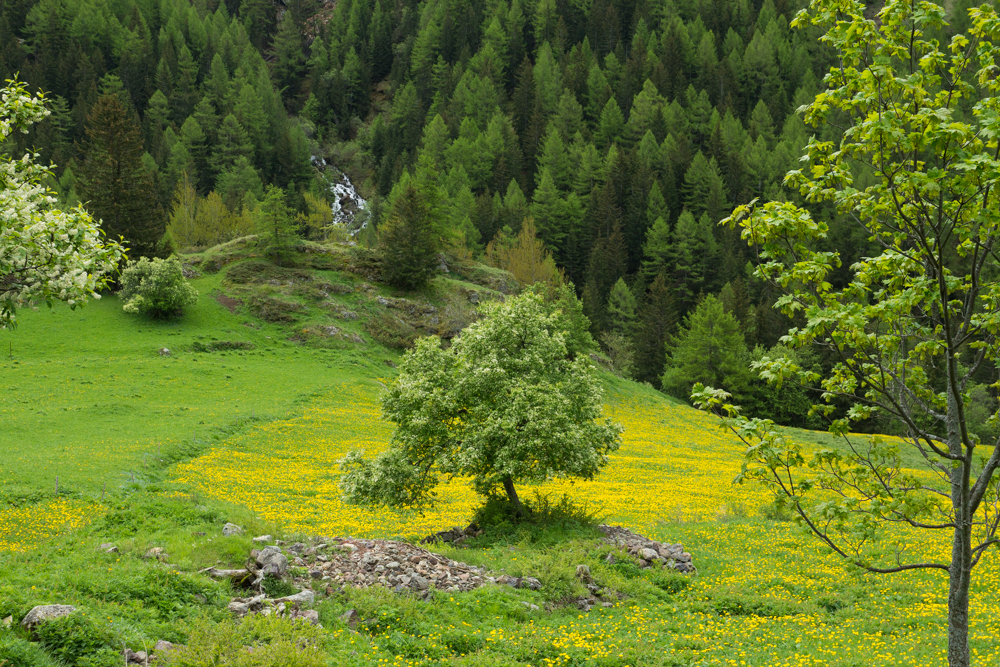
[
  {"x": 649, "y": 552},
  {"x": 290, "y": 607},
  {"x": 231, "y": 529},
  {"x": 455, "y": 536},
  {"x": 45, "y": 612}
]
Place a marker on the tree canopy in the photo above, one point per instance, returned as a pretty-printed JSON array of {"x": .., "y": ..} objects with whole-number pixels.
[
  {"x": 916, "y": 321},
  {"x": 505, "y": 405}
]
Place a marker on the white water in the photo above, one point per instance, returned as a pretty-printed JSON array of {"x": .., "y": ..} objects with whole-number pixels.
[{"x": 347, "y": 203}]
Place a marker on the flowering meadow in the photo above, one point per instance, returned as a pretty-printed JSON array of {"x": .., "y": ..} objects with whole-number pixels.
[
  {"x": 766, "y": 593},
  {"x": 22, "y": 528}
]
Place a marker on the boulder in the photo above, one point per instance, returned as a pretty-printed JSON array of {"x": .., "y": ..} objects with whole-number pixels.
[
  {"x": 46, "y": 612},
  {"x": 163, "y": 646},
  {"x": 649, "y": 554},
  {"x": 304, "y": 598},
  {"x": 272, "y": 562},
  {"x": 108, "y": 547},
  {"x": 231, "y": 529}
]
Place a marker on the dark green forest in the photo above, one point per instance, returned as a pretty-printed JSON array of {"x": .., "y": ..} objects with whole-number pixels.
[{"x": 624, "y": 130}]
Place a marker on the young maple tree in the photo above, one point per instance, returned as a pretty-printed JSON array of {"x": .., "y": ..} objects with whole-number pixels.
[{"x": 917, "y": 320}]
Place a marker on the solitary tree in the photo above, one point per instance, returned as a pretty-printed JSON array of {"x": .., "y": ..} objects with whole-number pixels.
[
  {"x": 45, "y": 254},
  {"x": 505, "y": 404},
  {"x": 275, "y": 224},
  {"x": 917, "y": 320}
]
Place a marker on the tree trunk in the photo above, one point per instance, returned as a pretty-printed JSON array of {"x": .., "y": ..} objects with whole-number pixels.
[
  {"x": 508, "y": 486},
  {"x": 960, "y": 572},
  {"x": 958, "y": 608}
]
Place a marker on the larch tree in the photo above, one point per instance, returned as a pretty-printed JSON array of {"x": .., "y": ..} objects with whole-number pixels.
[{"x": 915, "y": 320}]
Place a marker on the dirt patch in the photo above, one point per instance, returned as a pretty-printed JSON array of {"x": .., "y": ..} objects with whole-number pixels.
[{"x": 228, "y": 301}]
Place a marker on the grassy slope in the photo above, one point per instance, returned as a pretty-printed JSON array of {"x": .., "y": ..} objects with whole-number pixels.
[{"x": 86, "y": 397}]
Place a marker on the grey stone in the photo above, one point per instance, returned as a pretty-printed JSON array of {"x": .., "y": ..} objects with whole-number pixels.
[
  {"x": 316, "y": 574},
  {"x": 108, "y": 547},
  {"x": 46, "y": 612},
  {"x": 419, "y": 583},
  {"x": 531, "y": 584},
  {"x": 164, "y": 352},
  {"x": 583, "y": 572},
  {"x": 305, "y": 598},
  {"x": 529, "y": 606},
  {"x": 648, "y": 554},
  {"x": 156, "y": 552},
  {"x": 239, "y": 608},
  {"x": 310, "y": 615},
  {"x": 262, "y": 539},
  {"x": 163, "y": 646},
  {"x": 231, "y": 529},
  {"x": 8, "y": 621}
]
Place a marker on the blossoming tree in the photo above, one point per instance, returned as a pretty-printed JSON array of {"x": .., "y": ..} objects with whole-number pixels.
[
  {"x": 45, "y": 254},
  {"x": 505, "y": 404}
]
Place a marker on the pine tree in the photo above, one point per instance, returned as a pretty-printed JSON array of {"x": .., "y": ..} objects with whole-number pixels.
[
  {"x": 610, "y": 126},
  {"x": 693, "y": 258},
  {"x": 115, "y": 183},
  {"x": 240, "y": 185},
  {"x": 233, "y": 143},
  {"x": 657, "y": 320},
  {"x": 621, "y": 309},
  {"x": 276, "y": 228},
  {"x": 289, "y": 56},
  {"x": 410, "y": 238},
  {"x": 608, "y": 263},
  {"x": 704, "y": 191}
]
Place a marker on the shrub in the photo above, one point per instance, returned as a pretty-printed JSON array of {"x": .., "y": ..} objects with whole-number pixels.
[
  {"x": 155, "y": 287},
  {"x": 391, "y": 331},
  {"x": 77, "y": 640},
  {"x": 17, "y": 652},
  {"x": 271, "y": 641}
]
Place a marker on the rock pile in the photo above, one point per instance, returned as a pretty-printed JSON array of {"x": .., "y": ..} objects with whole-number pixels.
[{"x": 649, "y": 552}]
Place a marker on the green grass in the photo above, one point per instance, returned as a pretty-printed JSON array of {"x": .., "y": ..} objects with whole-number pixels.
[{"x": 85, "y": 396}]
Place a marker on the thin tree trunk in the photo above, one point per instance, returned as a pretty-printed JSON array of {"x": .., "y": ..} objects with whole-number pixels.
[
  {"x": 508, "y": 486},
  {"x": 960, "y": 572},
  {"x": 958, "y": 600}
]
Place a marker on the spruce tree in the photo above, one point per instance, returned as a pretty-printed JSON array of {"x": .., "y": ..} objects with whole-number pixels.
[
  {"x": 656, "y": 323},
  {"x": 410, "y": 238},
  {"x": 114, "y": 182}
]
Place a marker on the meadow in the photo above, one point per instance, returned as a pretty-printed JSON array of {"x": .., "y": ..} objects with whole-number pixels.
[{"x": 160, "y": 451}]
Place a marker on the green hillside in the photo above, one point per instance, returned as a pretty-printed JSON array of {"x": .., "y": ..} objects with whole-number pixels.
[{"x": 244, "y": 422}]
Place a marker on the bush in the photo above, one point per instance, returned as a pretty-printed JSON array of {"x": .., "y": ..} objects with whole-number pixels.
[
  {"x": 78, "y": 640},
  {"x": 17, "y": 652},
  {"x": 273, "y": 641},
  {"x": 155, "y": 287},
  {"x": 391, "y": 331}
]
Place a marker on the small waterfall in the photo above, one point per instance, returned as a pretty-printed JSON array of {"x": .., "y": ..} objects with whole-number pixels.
[{"x": 348, "y": 206}]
